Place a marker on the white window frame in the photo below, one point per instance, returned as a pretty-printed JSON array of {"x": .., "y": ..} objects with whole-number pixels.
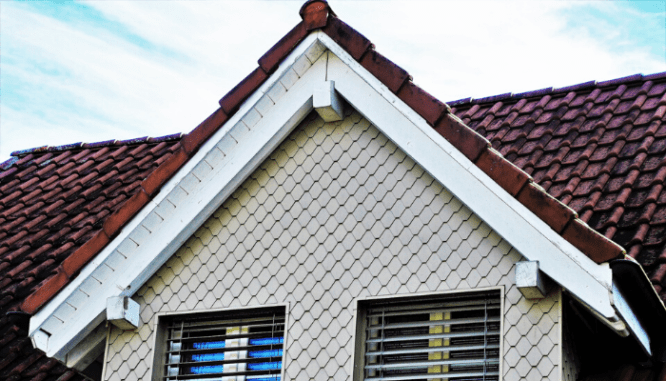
[
  {"x": 358, "y": 355},
  {"x": 160, "y": 333}
]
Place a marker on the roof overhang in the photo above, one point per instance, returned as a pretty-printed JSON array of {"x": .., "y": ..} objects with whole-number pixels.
[{"x": 238, "y": 148}]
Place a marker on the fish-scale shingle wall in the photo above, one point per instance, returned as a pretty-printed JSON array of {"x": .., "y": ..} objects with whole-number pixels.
[{"x": 336, "y": 213}]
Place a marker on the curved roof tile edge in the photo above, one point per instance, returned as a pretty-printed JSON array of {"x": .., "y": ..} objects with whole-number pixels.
[
  {"x": 317, "y": 14},
  {"x": 557, "y": 90},
  {"x": 67, "y": 147}
]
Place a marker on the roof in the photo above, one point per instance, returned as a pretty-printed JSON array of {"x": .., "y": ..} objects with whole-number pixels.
[
  {"x": 599, "y": 148},
  {"x": 316, "y": 16},
  {"x": 54, "y": 201},
  {"x": 59, "y": 206}
]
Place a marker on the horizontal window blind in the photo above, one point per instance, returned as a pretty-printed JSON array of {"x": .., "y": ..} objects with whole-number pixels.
[
  {"x": 454, "y": 338},
  {"x": 239, "y": 346}
]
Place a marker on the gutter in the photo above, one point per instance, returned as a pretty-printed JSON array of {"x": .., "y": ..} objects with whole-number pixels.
[
  {"x": 635, "y": 289},
  {"x": 20, "y": 319}
]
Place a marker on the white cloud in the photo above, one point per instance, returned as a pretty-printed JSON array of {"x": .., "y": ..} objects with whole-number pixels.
[{"x": 64, "y": 82}]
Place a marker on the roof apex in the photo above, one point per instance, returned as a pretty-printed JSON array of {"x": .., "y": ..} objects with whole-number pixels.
[{"x": 315, "y": 13}]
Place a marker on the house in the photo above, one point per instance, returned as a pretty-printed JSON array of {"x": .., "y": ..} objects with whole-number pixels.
[{"x": 332, "y": 220}]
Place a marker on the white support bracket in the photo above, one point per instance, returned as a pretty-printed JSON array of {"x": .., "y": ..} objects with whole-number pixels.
[
  {"x": 530, "y": 281},
  {"x": 122, "y": 312},
  {"x": 327, "y": 103}
]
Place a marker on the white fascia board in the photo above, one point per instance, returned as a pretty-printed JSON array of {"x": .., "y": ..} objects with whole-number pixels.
[
  {"x": 183, "y": 203},
  {"x": 526, "y": 232},
  {"x": 631, "y": 319}
]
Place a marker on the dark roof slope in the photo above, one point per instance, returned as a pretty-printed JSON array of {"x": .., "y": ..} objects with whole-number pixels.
[
  {"x": 630, "y": 373},
  {"x": 599, "y": 148},
  {"x": 53, "y": 201}
]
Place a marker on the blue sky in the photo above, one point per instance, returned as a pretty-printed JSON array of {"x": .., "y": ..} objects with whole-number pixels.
[{"x": 102, "y": 70}]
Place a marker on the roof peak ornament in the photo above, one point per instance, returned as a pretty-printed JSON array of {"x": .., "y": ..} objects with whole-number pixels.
[{"x": 315, "y": 14}]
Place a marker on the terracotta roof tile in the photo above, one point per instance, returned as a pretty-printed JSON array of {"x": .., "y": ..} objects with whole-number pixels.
[{"x": 392, "y": 75}]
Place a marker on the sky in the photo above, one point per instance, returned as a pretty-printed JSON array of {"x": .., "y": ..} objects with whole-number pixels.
[{"x": 100, "y": 70}]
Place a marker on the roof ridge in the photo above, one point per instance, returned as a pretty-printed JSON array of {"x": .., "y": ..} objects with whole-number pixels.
[
  {"x": 557, "y": 90},
  {"x": 105, "y": 143}
]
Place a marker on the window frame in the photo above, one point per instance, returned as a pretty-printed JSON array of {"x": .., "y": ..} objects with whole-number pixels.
[
  {"x": 161, "y": 332},
  {"x": 361, "y": 306}
]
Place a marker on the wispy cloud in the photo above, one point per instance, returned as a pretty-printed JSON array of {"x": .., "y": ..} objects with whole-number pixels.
[{"x": 102, "y": 70}]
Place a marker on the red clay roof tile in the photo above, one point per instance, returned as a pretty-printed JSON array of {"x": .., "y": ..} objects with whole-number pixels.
[
  {"x": 121, "y": 216},
  {"x": 237, "y": 95},
  {"x": 192, "y": 141},
  {"x": 502, "y": 171},
  {"x": 392, "y": 75},
  {"x": 429, "y": 107},
  {"x": 347, "y": 37},
  {"x": 467, "y": 141},
  {"x": 47, "y": 289},
  {"x": 75, "y": 262},
  {"x": 272, "y": 58},
  {"x": 157, "y": 178}
]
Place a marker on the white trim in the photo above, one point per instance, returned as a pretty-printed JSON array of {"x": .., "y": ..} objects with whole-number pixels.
[
  {"x": 87, "y": 351},
  {"x": 631, "y": 320},
  {"x": 234, "y": 151}
]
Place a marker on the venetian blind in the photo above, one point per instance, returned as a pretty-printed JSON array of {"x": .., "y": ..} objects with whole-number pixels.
[
  {"x": 456, "y": 337},
  {"x": 241, "y": 346}
]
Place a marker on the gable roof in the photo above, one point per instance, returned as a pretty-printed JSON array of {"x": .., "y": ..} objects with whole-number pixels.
[
  {"x": 316, "y": 15},
  {"x": 599, "y": 148},
  {"x": 54, "y": 201}
]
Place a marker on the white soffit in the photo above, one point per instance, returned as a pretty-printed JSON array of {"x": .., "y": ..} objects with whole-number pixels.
[{"x": 233, "y": 153}]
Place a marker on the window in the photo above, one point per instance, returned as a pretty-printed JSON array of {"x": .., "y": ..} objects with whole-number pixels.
[
  {"x": 443, "y": 338},
  {"x": 243, "y": 345}
]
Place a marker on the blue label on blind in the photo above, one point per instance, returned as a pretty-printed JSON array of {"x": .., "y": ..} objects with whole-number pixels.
[
  {"x": 266, "y": 353},
  {"x": 265, "y": 365},
  {"x": 267, "y": 341},
  {"x": 208, "y": 345},
  {"x": 256, "y": 366},
  {"x": 275, "y": 378},
  {"x": 251, "y": 354},
  {"x": 207, "y": 369},
  {"x": 208, "y": 357},
  {"x": 221, "y": 344}
]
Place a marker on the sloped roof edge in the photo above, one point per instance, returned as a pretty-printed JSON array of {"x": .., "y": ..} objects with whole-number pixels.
[
  {"x": 557, "y": 91},
  {"x": 317, "y": 15}
]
